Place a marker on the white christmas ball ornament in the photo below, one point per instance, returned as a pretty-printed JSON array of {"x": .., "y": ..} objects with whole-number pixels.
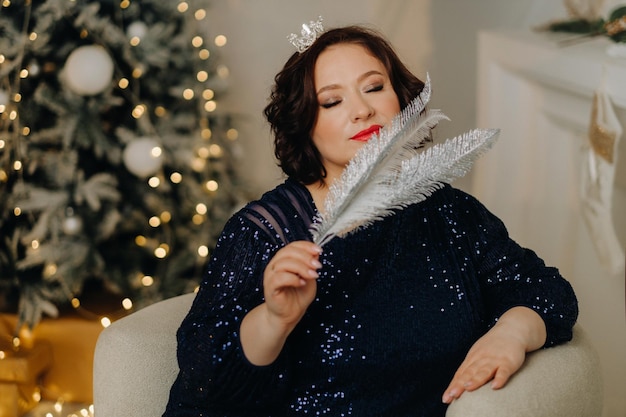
[
  {"x": 88, "y": 70},
  {"x": 143, "y": 157},
  {"x": 72, "y": 225},
  {"x": 137, "y": 29}
]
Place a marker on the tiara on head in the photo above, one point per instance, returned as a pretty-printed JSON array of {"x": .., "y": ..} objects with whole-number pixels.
[{"x": 308, "y": 33}]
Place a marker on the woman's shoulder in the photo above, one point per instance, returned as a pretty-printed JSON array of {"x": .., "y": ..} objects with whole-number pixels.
[
  {"x": 286, "y": 211},
  {"x": 451, "y": 197}
]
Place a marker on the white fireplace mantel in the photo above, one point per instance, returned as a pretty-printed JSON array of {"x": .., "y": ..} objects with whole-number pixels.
[
  {"x": 539, "y": 94},
  {"x": 577, "y": 68}
]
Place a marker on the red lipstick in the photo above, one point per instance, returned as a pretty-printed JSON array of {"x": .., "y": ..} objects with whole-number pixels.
[{"x": 365, "y": 134}]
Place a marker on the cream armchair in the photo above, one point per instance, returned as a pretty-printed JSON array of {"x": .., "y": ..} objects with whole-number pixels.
[{"x": 135, "y": 365}]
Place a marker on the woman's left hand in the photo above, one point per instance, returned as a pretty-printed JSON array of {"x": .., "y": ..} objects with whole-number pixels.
[{"x": 499, "y": 353}]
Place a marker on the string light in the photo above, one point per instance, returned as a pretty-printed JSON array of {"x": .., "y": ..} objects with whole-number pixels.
[
  {"x": 223, "y": 71},
  {"x": 198, "y": 164},
  {"x": 232, "y": 134},
  {"x": 140, "y": 240},
  {"x": 197, "y": 41},
  {"x": 183, "y": 6},
  {"x": 204, "y": 54},
  {"x": 203, "y": 152},
  {"x": 162, "y": 250},
  {"x": 165, "y": 217},
  {"x": 138, "y": 111},
  {"x": 202, "y": 76},
  {"x": 147, "y": 281},
  {"x": 203, "y": 251},
  {"x": 208, "y": 94},
  {"x": 211, "y": 185},
  {"x": 210, "y": 106},
  {"x": 220, "y": 40},
  {"x": 123, "y": 83},
  {"x": 215, "y": 150},
  {"x": 160, "y": 111},
  {"x": 201, "y": 208},
  {"x": 127, "y": 304},
  {"x": 154, "y": 182},
  {"x": 176, "y": 177},
  {"x": 188, "y": 94},
  {"x": 137, "y": 72},
  {"x": 154, "y": 221}
]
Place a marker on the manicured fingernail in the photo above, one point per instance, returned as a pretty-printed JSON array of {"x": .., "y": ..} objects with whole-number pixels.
[
  {"x": 317, "y": 264},
  {"x": 447, "y": 398},
  {"x": 313, "y": 273}
]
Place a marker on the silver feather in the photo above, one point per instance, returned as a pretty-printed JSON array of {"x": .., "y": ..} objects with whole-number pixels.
[{"x": 393, "y": 170}]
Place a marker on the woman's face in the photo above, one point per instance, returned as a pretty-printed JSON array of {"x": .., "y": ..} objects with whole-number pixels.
[{"x": 355, "y": 98}]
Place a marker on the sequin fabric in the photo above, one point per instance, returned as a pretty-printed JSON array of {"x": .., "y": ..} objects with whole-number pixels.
[{"x": 398, "y": 305}]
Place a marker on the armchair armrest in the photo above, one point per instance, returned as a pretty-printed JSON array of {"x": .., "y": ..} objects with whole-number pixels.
[
  {"x": 135, "y": 360},
  {"x": 561, "y": 381}
]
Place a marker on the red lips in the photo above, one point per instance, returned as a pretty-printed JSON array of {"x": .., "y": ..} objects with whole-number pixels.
[{"x": 365, "y": 134}]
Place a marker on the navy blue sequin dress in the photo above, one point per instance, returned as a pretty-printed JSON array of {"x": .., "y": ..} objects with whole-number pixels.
[{"x": 398, "y": 306}]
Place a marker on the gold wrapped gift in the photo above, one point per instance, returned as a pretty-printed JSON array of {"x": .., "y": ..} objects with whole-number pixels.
[
  {"x": 72, "y": 340},
  {"x": 20, "y": 372}
]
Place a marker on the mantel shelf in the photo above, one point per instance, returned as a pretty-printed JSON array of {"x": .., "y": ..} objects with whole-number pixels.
[{"x": 578, "y": 68}]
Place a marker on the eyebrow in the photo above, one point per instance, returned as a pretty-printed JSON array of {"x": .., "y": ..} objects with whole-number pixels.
[{"x": 361, "y": 78}]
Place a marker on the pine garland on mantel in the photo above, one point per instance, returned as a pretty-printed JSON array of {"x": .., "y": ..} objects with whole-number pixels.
[{"x": 613, "y": 27}]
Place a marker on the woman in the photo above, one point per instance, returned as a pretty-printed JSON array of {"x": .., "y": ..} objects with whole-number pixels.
[{"x": 397, "y": 319}]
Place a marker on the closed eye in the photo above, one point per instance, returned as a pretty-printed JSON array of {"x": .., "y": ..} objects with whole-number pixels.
[
  {"x": 375, "y": 88},
  {"x": 329, "y": 104}
]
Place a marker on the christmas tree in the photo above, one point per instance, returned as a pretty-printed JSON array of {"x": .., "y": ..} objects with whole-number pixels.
[{"x": 116, "y": 165}]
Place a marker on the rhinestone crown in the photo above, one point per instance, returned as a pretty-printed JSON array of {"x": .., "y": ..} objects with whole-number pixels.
[{"x": 308, "y": 33}]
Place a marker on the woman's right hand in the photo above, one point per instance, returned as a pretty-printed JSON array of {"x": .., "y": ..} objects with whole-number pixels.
[
  {"x": 289, "y": 287},
  {"x": 289, "y": 282}
]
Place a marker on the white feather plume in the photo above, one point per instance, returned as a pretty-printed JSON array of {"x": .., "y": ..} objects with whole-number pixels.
[{"x": 394, "y": 170}]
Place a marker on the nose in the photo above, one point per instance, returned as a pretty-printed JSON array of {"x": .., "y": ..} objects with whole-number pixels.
[{"x": 361, "y": 109}]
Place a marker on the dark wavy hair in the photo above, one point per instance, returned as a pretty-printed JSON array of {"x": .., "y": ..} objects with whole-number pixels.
[{"x": 293, "y": 105}]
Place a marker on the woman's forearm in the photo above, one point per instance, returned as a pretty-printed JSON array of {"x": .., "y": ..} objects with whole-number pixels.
[
  {"x": 526, "y": 324},
  {"x": 261, "y": 340}
]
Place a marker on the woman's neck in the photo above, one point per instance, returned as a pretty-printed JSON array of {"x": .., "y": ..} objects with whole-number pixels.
[{"x": 319, "y": 191}]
